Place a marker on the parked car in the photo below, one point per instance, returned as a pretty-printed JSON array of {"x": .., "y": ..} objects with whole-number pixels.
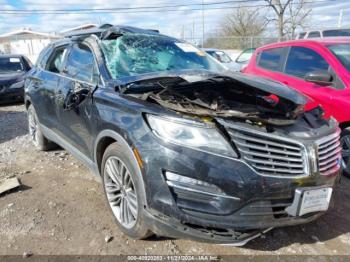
[
  {"x": 243, "y": 58},
  {"x": 318, "y": 68},
  {"x": 223, "y": 58},
  {"x": 183, "y": 147},
  {"x": 329, "y": 32},
  {"x": 234, "y": 65},
  {"x": 13, "y": 69}
]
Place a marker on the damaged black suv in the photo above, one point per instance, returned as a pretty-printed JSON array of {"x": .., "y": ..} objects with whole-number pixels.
[{"x": 183, "y": 148}]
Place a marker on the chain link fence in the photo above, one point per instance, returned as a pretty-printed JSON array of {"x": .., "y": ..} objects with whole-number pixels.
[{"x": 234, "y": 42}]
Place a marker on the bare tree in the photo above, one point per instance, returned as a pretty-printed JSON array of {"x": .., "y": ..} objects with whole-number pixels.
[
  {"x": 290, "y": 14},
  {"x": 238, "y": 26},
  {"x": 297, "y": 18},
  {"x": 243, "y": 22}
]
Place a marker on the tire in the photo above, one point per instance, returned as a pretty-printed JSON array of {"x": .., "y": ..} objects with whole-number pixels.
[
  {"x": 38, "y": 139},
  {"x": 345, "y": 143},
  {"x": 123, "y": 192}
]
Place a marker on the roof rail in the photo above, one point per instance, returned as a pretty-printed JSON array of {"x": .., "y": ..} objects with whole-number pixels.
[
  {"x": 107, "y": 27},
  {"x": 85, "y": 32}
]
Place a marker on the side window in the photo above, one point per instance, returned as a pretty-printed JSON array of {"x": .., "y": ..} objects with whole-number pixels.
[
  {"x": 271, "y": 59},
  {"x": 303, "y": 60},
  {"x": 314, "y": 34},
  {"x": 301, "y": 35},
  {"x": 81, "y": 64},
  {"x": 55, "y": 61},
  {"x": 40, "y": 62}
]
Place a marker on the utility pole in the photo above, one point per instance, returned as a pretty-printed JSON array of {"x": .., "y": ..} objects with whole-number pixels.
[
  {"x": 193, "y": 34},
  {"x": 340, "y": 17},
  {"x": 203, "y": 24}
]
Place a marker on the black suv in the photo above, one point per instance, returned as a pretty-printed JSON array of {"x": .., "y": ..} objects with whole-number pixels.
[{"x": 183, "y": 148}]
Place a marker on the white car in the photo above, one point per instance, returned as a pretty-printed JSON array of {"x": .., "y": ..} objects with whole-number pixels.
[
  {"x": 234, "y": 65},
  {"x": 329, "y": 32}
]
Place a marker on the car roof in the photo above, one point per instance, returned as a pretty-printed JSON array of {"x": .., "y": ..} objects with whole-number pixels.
[
  {"x": 315, "y": 41},
  {"x": 103, "y": 32},
  {"x": 326, "y": 29},
  {"x": 10, "y": 55}
]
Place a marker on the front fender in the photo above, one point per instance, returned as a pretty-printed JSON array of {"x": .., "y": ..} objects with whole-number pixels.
[{"x": 121, "y": 141}]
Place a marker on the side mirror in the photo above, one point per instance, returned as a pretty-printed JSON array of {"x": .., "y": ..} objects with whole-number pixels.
[
  {"x": 76, "y": 95},
  {"x": 321, "y": 77}
]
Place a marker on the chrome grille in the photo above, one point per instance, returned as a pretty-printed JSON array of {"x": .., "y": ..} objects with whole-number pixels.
[
  {"x": 329, "y": 153},
  {"x": 270, "y": 155}
]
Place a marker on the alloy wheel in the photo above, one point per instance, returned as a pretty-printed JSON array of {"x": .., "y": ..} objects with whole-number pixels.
[
  {"x": 120, "y": 191},
  {"x": 33, "y": 127}
]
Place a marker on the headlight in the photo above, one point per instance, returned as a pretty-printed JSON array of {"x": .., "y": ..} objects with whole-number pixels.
[
  {"x": 191, "y": 134},
  {"x": 19, "y": 84}
]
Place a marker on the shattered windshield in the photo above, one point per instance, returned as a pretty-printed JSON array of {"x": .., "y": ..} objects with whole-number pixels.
[{"x": 136, "y": 54}]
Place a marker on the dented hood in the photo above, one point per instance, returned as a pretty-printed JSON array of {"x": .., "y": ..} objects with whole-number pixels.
[
  {"x": 191, "y": 76},
  {"x": 201, "y": 92}
]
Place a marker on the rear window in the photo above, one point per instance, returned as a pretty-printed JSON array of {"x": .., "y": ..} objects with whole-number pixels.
[
  {"x": 314, "y": 34},
  {"x": 302, "y": 35},
  {"x": 336, "y": 32},
  {"x": 271, "y": 59}
]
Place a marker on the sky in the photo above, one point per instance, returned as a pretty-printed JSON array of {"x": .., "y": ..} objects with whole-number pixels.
[{"x": 324, "y": 13}]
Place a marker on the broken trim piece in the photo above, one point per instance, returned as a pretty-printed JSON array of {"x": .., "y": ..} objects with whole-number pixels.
[{"x": 8, "y": 184}]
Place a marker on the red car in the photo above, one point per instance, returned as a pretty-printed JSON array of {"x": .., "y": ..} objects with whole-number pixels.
[{"x": 319, "y": 68}]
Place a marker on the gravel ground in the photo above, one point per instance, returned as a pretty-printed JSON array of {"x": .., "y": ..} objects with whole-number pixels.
[{"x": 60, "y": 209}]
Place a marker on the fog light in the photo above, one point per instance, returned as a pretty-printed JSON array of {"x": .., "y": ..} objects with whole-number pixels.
[{"x": 194, "y": 185}]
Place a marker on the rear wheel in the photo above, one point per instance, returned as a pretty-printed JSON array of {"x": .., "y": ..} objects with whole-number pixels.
[
  {"x": 345, "y": 142},
  {"x": 36, "y": 135},
  {"x": 123, "y": 191}
]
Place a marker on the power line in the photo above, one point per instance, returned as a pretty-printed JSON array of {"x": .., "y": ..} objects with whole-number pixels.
[
  {"x": 138, "y": 7},
  {"x": 168, "y": 8}
]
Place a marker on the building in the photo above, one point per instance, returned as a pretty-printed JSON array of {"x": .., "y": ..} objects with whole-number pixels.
[{"x": 25, "y": 42}]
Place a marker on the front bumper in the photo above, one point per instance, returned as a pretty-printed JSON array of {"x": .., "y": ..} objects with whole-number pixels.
[
  {"x": 250, "y": 203},
  {"x": 11, "y": 94},
  {"x": 171, "y": 227}
]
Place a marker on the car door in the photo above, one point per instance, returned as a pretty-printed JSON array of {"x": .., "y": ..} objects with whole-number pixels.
[
  {"x": 80, "y": 79},
  {"x": 290, "y": 64},
  {"x": 44, "y": 85},
  {"x": 304, "y": 60}
]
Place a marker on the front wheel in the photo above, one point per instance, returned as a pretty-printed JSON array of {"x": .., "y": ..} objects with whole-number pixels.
[
  {"x": 345, "y": 143},
  {"x": 123, "y": 191}
]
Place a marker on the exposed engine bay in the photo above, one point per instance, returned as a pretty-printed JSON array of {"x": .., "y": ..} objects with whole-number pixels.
[{"x": 223, "y": 96}]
